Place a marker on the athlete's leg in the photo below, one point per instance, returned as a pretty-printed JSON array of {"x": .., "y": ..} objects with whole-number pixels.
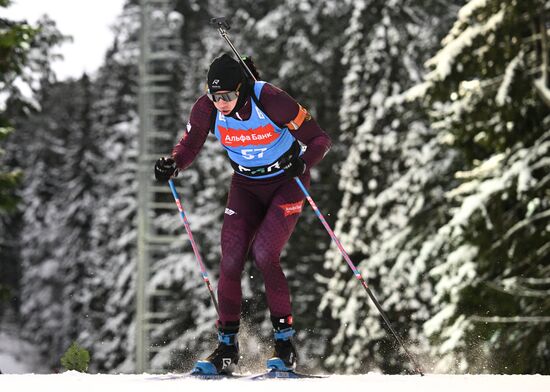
[
  {"x": 242, "y": 217},
  {"x": 272, "y": 235}
]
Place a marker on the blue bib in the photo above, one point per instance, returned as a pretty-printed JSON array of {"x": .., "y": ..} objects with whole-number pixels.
[{"x": 255, "y": 142}]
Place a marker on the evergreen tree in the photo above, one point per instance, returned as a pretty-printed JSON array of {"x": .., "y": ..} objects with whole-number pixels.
[
  {"x": 55, "y": 230},
  {"x": 389, "y": 183},
  {"x": 15, "y": 39},
  {"x": 9, "y": 269},
  {"x": 492, "y": 252},
  {"x": 26, "y": 58},
  {"x": 76, "y": 358},
  {"x": 78, "y": 204}
]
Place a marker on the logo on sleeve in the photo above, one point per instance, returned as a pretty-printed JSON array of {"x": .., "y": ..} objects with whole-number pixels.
[{"x": 292, "y": 208}]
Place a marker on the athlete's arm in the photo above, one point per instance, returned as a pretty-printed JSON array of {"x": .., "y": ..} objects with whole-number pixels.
[
  {"x": 283, "y": 109},
  {"x": 185, "y": 152}
]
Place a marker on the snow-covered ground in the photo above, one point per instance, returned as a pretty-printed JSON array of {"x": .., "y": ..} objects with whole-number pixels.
[
  {"x": 18, "y": 360},
  {"x": 73, "y": 381},
  {"x": 16, "y": 355}
]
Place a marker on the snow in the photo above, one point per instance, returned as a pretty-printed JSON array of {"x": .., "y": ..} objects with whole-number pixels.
[
  {"x": 511, "y": 70},
  {"x": 444, "y": 60},
  {"x": 16, "y": 355},
  {"x": 468, "y": 10},
  {"x": 12, "y": 364},
  {"x": 543, "y": 90},
  {"x": 71, "y": 381},
  {"x": 416, "y": 92}
]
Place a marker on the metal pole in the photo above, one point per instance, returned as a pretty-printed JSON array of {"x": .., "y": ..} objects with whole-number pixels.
[{"x": 142, "y": 338}]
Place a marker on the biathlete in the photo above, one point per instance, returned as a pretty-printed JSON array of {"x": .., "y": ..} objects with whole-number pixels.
[{"x": 270, "y": 139}]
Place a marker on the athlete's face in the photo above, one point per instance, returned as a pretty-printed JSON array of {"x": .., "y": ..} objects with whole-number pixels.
[{"x": 225, "y": 106}]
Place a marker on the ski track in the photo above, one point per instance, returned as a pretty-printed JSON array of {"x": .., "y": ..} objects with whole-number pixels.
[{"x": 74, "y": 381}]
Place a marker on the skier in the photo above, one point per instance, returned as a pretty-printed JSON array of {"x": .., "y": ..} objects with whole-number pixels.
[{"x": 261, "y": 128}]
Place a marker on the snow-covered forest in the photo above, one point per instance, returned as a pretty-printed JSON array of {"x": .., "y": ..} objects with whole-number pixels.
[{"x": 437, "y": 185}]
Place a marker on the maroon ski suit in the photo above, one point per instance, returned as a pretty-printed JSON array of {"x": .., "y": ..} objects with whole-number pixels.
[{"x": 261, "y": 213}]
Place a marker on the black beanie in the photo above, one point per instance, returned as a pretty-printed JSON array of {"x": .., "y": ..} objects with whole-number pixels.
[{"x": 224, "y": 74}]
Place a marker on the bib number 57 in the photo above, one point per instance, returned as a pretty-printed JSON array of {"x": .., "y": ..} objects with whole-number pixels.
[{"x": 253, "y": 153}]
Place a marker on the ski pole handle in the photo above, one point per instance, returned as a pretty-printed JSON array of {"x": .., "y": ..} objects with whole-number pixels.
[
  {"x": 222, "y": 22},
  {"x": 194, "y": 245}
]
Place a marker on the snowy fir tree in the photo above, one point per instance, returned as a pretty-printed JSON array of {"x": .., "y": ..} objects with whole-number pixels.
[
  {"x": 25, "y": 81},
  {"x": 458, "y": 252},
  {"x": 390, "y": 183},
  {"x": 56, "y": 202},
  {"x": 490, "y": 258}
]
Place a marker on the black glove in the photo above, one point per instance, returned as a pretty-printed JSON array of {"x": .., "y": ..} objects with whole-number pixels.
[
  {"x": 294, "y": 167},
  {"x": 165, "y": 168}
]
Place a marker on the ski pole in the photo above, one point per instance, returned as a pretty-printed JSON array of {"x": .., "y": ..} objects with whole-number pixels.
[
  {"x": 194, "y": 245},
  {"x": 357, "y": 273}
]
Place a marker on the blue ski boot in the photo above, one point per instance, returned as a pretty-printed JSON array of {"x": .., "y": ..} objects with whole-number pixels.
[
  {"x": 224, "y": 358},
  {"x": 284, "y": 355}
]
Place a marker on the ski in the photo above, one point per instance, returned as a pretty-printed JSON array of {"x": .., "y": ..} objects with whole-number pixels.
[
  {"x": 271, "y": 374},
  {"x": 222, "y": 376},
  {"x": 286, "y": 374}
]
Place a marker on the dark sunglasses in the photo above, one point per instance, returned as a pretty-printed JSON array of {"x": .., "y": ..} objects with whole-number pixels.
[{"x": 230, "y": 96}]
